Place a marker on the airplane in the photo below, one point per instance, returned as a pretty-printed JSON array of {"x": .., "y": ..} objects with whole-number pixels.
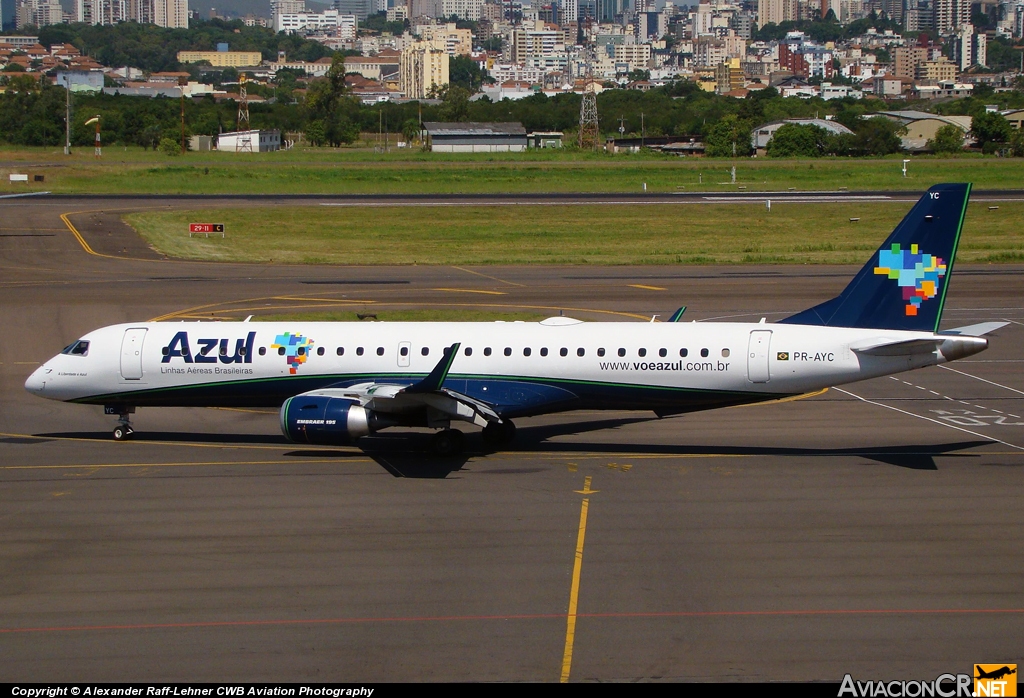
[
  {"x": 996, "y": 674},
  {"x": 335, "y": 382}
]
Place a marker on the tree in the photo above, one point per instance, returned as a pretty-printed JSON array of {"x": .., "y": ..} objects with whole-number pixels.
[
  {"x": 1017, "y": 143},
  {"x": 466, "y": 73},
  {"x": 454, "y": 104},
  {"x": 990, "y": 128},
  {"x": 878, "y": 136},
  {"x": 411, "y": 130},
  {"x": 316, "y": 132},
  {"x": 797, "y": 141},
  {"x": 728, "y": 138},
  {"x": 169, "y": 147},
  {"x": 948, "y": 139}
]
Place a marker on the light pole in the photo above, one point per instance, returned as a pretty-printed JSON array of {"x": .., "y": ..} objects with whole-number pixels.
[
  {"x": 96, "y": 120},
  {"x": 67, "y": 115}
]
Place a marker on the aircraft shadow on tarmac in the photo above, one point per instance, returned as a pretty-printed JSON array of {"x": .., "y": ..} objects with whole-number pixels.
[{"x": 407, "y": 454}]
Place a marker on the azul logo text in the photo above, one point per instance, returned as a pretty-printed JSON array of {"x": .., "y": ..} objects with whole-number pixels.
[{"x": 210, "y": 351}]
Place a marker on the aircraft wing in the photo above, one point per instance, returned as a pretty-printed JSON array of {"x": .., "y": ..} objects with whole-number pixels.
[{"x": 386, "y": 398}]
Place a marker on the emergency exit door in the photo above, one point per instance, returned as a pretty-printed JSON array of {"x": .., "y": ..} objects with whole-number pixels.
[
  {"x": 757, "y": 356},
  {"x": 131, "y": 353}
]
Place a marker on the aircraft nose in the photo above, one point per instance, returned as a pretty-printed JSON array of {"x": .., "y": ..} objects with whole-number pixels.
[{"x": 36, "y": 383}]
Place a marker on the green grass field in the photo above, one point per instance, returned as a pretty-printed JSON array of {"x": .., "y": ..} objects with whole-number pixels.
[
  {"x": 325, "y": 171},
  {"x": 590, "y": 234}
]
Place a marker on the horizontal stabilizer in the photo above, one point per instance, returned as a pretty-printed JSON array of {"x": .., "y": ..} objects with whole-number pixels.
[
  {"x": 979, "y": 330},
  {"x": 903, "y": 347}
]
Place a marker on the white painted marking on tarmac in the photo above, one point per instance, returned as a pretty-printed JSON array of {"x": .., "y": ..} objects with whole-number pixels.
[
  {"x": 929, "y": 419},
  {"x": 983, "y": 380}
]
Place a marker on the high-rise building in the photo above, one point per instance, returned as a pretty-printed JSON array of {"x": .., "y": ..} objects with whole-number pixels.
[
  {"x": 360, "y": 8},
  {"x": 951, "y": 14},
  {"x": 776, "y": 11},
  {"x": 423, "y": 68},
  {"x": 969, "y": 47},
  {"x": 39, "y": 13},
  {"x": 102, "y": 11},
  {"x": 570, "y": 10},
  {"x": 8, "y": 14}
]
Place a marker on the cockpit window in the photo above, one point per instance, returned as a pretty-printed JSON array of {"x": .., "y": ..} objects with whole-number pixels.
[{"x": 79, "y": 348}]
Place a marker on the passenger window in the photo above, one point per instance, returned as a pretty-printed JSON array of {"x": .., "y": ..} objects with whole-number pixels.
[
  {"x": 622, "y": 352},
  {"x": 663, "y": 352},
  {"x": 508, "y": 351},
  {"x": 341, "y": 351},
  {"x": 404, "y": 351},
  {"x": 469, "y": 351},
  {"x": 280, "y": 351},
  {"x": 263, "y": 351},
  {"x": 684, "y": 352},
  {"x": 487, "y": 351},
  {"x": 527, "y": 351},
  {"x": 359, "y": 351},
  {"x": 223, "y": 349},
  {"x": 301, "y": 351},
  {"x": 424, "y": 351},
  {"x": 165, "y": 351},
  {"x": 380, "y": 351},
  {"x": 704, "y": 353},
  {"x": 581, "y": 351},
  {"x": 641, "y": 352},
  {"x": 563, "y": 352},
  {"x": 600, "y": 352},
  {"x": 543, "y": 351},
  {"x": 725, "y": 353}
]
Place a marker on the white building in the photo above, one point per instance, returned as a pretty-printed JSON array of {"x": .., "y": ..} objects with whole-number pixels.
[
  {"x": 102, "y": 11},
  {"x": 39, "y": 13},
  {"x": 463, "y": 9},
  {"x": 328, "y": 20},
  {"x": 249, "y": 141}
]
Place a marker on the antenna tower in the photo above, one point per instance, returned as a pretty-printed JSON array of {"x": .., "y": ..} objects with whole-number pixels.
[
  {"x": 243, "y": 144},
  {"x": 590, "y": 132}
]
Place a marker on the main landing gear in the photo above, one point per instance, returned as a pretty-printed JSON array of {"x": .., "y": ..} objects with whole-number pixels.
[
  {"x": 499, "y": 433},
  {"x": 447, "y": 442},
  {"x": 123, "y": 430}
]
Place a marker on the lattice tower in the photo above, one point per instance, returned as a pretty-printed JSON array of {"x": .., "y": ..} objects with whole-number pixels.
[
  {"x": 590, "y": 131},
  {"x": 243, "y": 144}
]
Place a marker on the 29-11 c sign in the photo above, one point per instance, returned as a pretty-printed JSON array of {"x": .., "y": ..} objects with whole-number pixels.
[{"x": 206, "y": 227}]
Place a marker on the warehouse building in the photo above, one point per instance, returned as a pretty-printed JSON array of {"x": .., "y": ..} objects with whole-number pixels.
[{"x": 475, "y": 137}]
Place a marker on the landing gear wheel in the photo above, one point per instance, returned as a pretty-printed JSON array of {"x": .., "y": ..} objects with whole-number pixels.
[
  {"x": 499, "y": 433},
  {"x": 122, "y": 432},
  {"x": 448, "y": 442}
]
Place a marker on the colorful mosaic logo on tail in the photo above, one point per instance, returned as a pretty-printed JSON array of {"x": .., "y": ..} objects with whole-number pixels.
[
  {"x": 296, "y": 349},
  {"x": 917, "y": 273}
]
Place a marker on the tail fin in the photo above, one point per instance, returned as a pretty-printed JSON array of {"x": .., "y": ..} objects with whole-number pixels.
[{"x": 903, "y": 286}]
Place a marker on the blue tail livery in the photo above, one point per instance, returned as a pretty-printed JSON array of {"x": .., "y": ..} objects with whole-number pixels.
[{"x": 903, "y": 286}]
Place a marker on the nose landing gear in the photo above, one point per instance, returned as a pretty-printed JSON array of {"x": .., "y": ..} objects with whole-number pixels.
[{"x": 123, "y": 430}]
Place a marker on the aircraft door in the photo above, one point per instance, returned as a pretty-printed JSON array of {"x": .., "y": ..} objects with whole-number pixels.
[
  {"x": 757, "y": 356},
  {"x": 404, "y": 352},
  {"x": 131, "y": 353}
]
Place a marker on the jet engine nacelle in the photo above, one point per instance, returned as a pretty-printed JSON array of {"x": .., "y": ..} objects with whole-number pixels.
[{"x": 325, "y": 421}]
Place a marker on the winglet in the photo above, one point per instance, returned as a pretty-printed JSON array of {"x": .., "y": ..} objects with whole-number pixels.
[
  {"x": 678, "y": 315},
  {"x": 436, "y": 377}
]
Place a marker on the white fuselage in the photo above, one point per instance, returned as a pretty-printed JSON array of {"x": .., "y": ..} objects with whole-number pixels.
[{"x": 634, "y": 365}]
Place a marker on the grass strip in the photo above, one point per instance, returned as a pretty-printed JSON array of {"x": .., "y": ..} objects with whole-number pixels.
[
  {"x": 360, "y": 172},
  {"x": 790, "y": 233}
]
